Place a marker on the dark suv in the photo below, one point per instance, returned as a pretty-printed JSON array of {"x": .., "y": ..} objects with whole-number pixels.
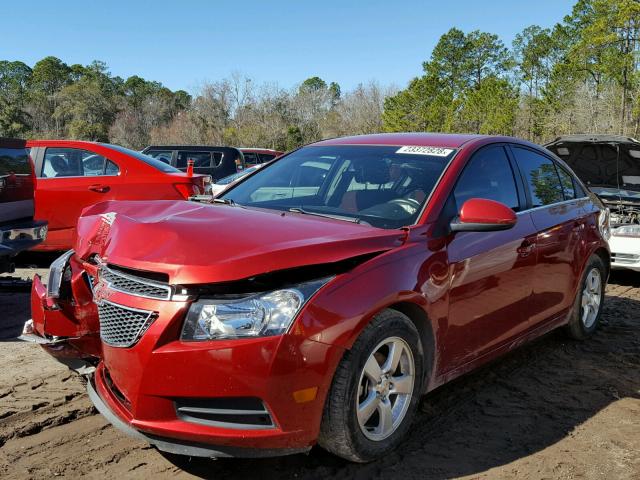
[
  {"x": 18, "y": 230},
  {"x": 218, "y": 162}
]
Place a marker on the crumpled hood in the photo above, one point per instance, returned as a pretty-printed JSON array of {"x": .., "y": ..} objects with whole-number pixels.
[{"x": 203, "y": 243}]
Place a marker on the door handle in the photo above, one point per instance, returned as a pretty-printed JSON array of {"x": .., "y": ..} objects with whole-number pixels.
[
  {"x": 99, "y": 188},
  {"x": 525, "y": 248}
]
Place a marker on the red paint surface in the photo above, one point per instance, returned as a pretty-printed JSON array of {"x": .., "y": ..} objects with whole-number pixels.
[
  {"x": 477, "y": 294},
  {"x": 482, "y": 210}
]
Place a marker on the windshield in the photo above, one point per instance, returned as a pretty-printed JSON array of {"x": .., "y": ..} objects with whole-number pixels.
[
  {"x": 159, "y": 165},
  {"x": 383, "y": 186}
]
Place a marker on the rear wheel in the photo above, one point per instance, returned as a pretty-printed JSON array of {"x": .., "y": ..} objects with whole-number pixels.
[
  {"x": 585, "y": 316},
  {"x": 375, "y": 390}
]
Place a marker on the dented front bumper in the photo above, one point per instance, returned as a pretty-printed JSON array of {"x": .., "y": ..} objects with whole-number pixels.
[{"x": 66, "y": 327}]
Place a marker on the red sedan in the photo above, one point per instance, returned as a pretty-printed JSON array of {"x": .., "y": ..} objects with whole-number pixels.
[
  {"x": 73, "y": 175},
  {"x": 345, "y": 280}
]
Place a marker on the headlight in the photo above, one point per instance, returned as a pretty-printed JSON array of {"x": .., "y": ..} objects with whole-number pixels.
[
  {"x": 604, "y": 223},
  {"x": 626, "y": 231},
  {"x": 56, "y": 272},
  {"x": 264, "y": 314}
]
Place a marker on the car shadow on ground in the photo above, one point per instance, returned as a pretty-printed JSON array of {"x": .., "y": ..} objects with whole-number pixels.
[
  {"x": 627, "y": 278},
  {"x": 510, "y": 409},
  {"x": 15, "y": 308}
]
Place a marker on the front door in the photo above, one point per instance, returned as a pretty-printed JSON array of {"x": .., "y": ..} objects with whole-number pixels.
[
  {"x": 490, "y": 272},
  {"x": 71, "y": 179}
]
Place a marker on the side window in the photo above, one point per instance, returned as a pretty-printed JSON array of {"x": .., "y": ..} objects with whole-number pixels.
[
  {"x": 200, "y": 159},
  {"x": 541, "y": 175},
  {"x": 14, "y": 161},
  {"x": 567, "y": 183},
  {"x": 250, "y": 158},
  {"x": 73, "y": 162},
  {"x": 488, "y": 175},
  {"x": 162, "y": 155},
  {"x": 111, "y": 168}
]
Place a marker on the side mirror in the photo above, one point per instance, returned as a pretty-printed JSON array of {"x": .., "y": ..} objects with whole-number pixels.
[{"x": 483, "y": 215}]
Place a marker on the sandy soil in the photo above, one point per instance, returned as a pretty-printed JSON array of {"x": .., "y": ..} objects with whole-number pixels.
[{"x": 554, "y": 409}]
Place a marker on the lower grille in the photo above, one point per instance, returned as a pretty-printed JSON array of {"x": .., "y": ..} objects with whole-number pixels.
[
  {"x": 122, "y": 326},
  {"x": 624, "y": 257},
  {"x": 242, "y": 413}
]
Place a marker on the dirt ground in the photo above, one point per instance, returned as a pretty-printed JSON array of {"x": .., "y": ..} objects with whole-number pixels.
[{"x": 554, "y": 409}]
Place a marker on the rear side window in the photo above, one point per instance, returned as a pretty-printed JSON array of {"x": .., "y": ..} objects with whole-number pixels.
[
  {"x": 488, "y": 175},
  {"x": 541, "y": 176},
  {"x": 568, "y": 186},
  {"x": 75, "y": 162},
  {"x": 200, "y": 159},
  {"x": 14, "y": 161}
]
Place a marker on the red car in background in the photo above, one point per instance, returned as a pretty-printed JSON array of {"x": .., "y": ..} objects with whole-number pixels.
[
  {"x": 255, "y": 156},
  {"x": 73, "y": 175},
  {"x": 348, "y": 278}
]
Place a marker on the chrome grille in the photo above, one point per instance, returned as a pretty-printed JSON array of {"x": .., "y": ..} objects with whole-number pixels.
[
  {"x": 141, "y": 287},
  {"x": 122, "y": 326}
]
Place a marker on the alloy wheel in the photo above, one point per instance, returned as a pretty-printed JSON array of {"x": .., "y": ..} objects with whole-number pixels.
[
  {"x": 385, "y": 388},
  {"x": 591, "y": 297}
]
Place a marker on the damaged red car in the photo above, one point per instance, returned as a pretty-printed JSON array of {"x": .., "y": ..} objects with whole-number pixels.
[{"x": 316, "y": 300}]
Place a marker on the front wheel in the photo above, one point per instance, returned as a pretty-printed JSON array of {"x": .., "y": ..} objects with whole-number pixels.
[
  {"x": 375, "y": 391},
  {"x": 585, "y": 315}
]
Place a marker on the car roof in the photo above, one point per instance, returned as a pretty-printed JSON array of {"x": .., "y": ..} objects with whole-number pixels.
[
  {"x": 592, "y": 138},
  {"x": 12, "y": 143},
  {"x": 258, "y": 149},
  {"x": 190, "y": 147},
  {"x": 40, "y": 143},
  {"x": 414, "y": 139}
]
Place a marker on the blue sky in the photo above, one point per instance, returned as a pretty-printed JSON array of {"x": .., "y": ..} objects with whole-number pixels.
[{"x": 182, "y": 43}]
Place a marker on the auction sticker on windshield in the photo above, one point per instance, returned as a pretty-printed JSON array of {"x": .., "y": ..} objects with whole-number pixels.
[{"x": 435, "y": 151}]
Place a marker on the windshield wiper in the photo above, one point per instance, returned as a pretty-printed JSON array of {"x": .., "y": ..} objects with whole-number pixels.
[
  {"x": 225, "y": 201},
  {"x": 325, "y": 215}
]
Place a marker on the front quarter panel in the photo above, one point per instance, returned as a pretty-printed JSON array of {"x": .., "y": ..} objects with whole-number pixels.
[{"x": 415, "y": 274}]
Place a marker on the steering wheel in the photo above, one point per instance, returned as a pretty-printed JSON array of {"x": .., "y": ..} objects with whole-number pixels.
[{"x": 410, "y": 205}]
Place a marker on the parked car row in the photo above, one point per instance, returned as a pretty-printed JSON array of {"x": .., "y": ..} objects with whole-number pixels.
[
  {"x": 314, "y": 300},
  {"x": 217, "y": 162}
]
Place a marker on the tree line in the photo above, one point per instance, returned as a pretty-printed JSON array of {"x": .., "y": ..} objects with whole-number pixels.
[{"x": 580, "y": 75}]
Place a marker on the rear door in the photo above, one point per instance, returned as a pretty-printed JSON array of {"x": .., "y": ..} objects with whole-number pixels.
[
  {"x": 559, "y": 215},
  {"x": 16, "y": 181},
  {"x": 70, "y": 180},
  {"x": 490, "y": 272}
]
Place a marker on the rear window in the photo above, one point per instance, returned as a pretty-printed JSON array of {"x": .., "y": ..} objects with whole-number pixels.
[
  {"x": 14, "y": 161},
  {"x": 162, "y": 155},
  {"x": 250, "y": 158},
  {"x": 266, "y": 157},
  {"x": 159, "y": 165}
]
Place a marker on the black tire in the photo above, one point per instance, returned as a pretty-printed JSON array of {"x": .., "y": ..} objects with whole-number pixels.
[
  {"x": 577, "y": 328},
  {"x": 340, "y": 432}
]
